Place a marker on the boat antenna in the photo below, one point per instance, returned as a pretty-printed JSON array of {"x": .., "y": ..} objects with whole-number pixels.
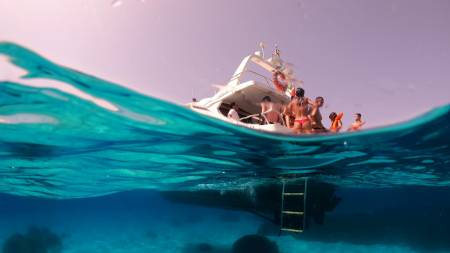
[{"x": 262, "y": 45}]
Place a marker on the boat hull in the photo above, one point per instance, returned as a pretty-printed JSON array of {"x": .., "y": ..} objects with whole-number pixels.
[{"x": 271, "y": 128}]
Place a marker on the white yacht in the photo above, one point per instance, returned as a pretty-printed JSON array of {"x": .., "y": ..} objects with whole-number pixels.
[{"x": 251, "y": 81}]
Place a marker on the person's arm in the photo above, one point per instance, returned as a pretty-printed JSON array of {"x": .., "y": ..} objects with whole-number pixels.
[
  {"x": 263, "y": 108},
  {"x": 314, "y": 110},
  {"x": 339, "y": 125},
  {"x": 289, "y": 110},
  {"x": 350, "y": 128}
]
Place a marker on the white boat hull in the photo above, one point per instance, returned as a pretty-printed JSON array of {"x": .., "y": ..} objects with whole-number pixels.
[{"x": 270, "y": 128}]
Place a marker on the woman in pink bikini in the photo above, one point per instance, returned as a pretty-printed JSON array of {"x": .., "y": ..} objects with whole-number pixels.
[{"x": 300, "y": 108}]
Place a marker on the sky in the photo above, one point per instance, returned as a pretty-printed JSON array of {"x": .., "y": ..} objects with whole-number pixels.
[{"x": 389, "y": 60}]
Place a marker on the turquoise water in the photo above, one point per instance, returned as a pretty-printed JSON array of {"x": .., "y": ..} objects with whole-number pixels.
[{"x": 61, "y": 150}]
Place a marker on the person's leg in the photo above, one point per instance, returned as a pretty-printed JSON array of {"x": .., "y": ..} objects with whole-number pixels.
[
  {"x": 301, "y": 128},
  {"x": 297, "y": 127},
  {"x": 291, "y": 121},
  {"x": 287, "y": 121},
  {"x": 306, "y": 127}
]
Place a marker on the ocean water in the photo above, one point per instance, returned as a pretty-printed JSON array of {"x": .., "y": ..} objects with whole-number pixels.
[{"x": 110, "y": 170}]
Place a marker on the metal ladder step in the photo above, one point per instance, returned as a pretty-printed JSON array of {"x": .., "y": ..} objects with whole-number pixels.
[
  {"x": 293, "y": 194},
  {"x": 292, "y": 230},
  {"x": 293, "y": 212}
]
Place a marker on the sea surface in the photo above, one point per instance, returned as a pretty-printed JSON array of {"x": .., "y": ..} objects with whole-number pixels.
[{"x": 91, "y": 161}]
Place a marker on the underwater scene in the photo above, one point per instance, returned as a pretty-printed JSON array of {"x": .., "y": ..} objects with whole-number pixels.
[{"x": 89, "y": 166}]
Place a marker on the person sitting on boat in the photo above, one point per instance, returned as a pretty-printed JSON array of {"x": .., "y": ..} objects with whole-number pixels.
[
  {"x": 316, "y": 116},
  {"x": 270, "y": 111},
  {"x": 355, "y": 126},
  {"x": 233, "y": 112},
  {"x": 336, "y": 121},
  {"x": 300, "y": 107}
]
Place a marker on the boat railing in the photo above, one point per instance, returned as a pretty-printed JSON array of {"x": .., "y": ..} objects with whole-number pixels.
[
  {"x": 261, "y": 77},
  {"x": 263, "y": 115}
]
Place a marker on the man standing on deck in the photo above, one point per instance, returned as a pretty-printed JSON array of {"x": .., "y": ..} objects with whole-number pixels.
[{"x": 316, "y": 116}]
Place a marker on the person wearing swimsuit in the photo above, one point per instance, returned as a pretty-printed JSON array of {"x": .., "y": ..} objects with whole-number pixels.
[
  {"x": 357, "y": 124},
  {"x": 316, "y": 116},
  {"x": 300, "y": 108},
  {"x": 288, "y": 115},
  {"x": 336, "y": 121},
  {"x": 233, "y": 112},
  {"x": 270, "y": 111}
]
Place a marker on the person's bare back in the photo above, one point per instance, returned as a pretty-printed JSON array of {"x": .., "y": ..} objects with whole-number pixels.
[
  {"x": 299, "y": 106},
  {"x": 270, "y": 111},
  {"x": 316, "y": 116}
]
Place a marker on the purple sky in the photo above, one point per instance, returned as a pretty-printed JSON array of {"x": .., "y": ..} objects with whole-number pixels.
[{"x": 388, "y": 59}]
